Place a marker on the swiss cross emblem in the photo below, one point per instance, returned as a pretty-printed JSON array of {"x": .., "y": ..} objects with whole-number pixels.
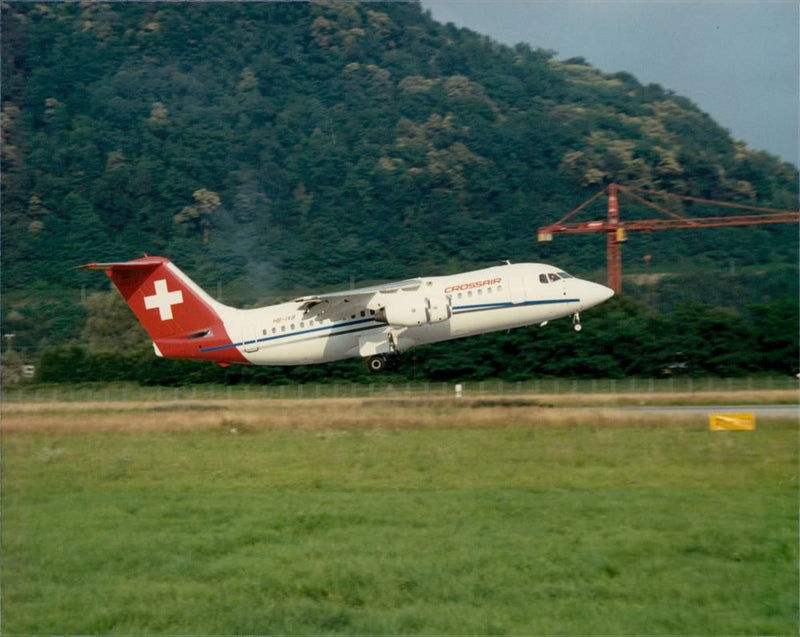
[{"x": 163, "y": 300}]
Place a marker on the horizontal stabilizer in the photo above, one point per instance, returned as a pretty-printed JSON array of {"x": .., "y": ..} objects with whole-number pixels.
[{"x": 136, "y": 264}]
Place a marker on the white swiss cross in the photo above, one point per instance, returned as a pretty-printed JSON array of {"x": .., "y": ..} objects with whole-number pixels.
[{"x": 163, "y": 300}]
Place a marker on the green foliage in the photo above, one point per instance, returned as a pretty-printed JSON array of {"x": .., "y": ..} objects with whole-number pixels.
[
  {"x": 328, "y": 142},
  {"x": 621, "y": 338}
]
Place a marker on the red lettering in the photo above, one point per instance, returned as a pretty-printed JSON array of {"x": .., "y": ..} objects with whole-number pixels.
[{"x": 472, "y": 285}]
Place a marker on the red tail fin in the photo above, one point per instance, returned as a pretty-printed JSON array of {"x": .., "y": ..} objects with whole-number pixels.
[{"x": 182, "y": 320}]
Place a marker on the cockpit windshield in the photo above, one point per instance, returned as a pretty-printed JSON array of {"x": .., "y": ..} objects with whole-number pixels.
[{"x": 554, "y": 276}]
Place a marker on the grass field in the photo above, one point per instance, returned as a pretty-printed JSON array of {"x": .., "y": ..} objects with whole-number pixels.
[{"x": 394, "y": 517}]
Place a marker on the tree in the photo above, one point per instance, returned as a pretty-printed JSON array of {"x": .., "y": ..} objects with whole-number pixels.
[
  {"x": 200, "y": 216},
  {"x": 111, "y": 326}
]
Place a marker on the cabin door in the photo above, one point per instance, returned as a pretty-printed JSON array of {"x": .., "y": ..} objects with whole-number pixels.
[
  {"x": 250, "y": 340},
  {"x": 517, "y": 285}
]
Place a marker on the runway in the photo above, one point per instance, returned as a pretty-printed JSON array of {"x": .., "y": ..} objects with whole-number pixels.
[{"x": 760, "y": 411}]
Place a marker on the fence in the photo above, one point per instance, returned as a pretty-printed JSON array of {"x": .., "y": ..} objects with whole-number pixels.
[{"x": 126, "y": 392}]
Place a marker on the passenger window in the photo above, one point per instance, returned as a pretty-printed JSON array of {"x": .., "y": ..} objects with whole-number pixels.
[
  {"x": 283, "y": 328},
  {"x": 543, "y": 278},
  {"x": 302, "y": 325}
]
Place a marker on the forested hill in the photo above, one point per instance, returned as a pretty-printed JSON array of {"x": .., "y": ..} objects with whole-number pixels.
[{"x": 274, "y": 147}]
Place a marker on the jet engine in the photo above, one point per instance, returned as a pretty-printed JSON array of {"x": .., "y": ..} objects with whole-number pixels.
[{"x": 413, "y": 310}]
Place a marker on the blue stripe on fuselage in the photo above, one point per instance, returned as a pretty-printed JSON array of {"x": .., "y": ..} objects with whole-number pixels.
[
  {"x": 276, "y": 337},
  {"x": 463, "y": 309}
]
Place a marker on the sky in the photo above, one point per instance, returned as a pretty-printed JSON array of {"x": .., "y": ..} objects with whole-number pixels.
[{"x": 738, "y": 60}]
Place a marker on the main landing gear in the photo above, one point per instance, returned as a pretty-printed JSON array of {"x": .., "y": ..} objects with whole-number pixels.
[
  {"x": 576, "y": 322},
  {"x": 383, "y": 362}
]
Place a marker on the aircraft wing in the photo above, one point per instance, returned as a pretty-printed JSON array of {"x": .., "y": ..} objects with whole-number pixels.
[{"x": 323, "y": 304}]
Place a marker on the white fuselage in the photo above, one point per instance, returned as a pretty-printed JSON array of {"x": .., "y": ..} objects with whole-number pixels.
[{"x": 465, "y": 304}]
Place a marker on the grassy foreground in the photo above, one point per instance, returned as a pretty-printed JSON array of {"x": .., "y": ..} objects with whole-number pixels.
[{"x": 347, "y": 517}]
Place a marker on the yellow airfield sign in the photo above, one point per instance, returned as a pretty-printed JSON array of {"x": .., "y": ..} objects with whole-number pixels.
[{"x": 732, "y": 422}]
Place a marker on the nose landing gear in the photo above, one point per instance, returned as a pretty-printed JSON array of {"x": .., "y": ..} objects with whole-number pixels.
[{"x": 576, "y": 322}]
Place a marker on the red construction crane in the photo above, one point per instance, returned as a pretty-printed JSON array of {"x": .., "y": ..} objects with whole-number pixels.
[{"x": 616, "y": 230}]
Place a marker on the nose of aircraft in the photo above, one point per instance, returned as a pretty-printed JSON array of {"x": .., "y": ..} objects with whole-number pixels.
[{"x": 592, "y": 294}]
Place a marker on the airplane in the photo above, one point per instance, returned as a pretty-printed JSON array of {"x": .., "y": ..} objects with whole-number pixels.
[{"x": 377, "y": 323}]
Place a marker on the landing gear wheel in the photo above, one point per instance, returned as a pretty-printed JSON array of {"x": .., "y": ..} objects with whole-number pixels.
[
  {"x": 383, "y": 362},
  {"x": 376, "y": 364}
]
